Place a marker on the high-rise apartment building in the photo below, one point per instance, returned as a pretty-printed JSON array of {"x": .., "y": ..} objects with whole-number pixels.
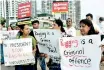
[
  {"x": 74, "y": 10},
  {"x": 9, "y": 9}
]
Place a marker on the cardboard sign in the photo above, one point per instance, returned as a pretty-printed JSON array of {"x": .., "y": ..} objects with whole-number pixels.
[
  {"x": 18, "y": 51},
  {"x": 6, "y": 35},
  {"x": 80, "y": 53},
  {"x": 48, "y": 42}
]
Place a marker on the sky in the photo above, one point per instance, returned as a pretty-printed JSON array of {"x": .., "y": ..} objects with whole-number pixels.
[{"x": 96, "y": 7}]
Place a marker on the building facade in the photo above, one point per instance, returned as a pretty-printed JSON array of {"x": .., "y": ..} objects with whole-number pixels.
[
  {"x": 9, "y": 9},
  {"x": 74, "y": 10}
]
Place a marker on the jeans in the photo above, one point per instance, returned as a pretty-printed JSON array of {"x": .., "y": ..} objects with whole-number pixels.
[
  {"x": 42, "y": 63},
  {"x": 2, "y": 54},
  {"x": 55, "y": 66},
  {"x": 24, "y": 67}
]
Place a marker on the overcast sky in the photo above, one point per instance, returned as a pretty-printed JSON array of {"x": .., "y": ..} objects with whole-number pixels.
[{"x": 96, "y": 7}]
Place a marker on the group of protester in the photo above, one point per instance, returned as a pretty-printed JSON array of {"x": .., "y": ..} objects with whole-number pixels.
[{"x": 87, "y": 27}]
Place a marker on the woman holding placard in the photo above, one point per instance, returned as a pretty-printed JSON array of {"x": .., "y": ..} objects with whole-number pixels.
[
  {"x": 24, "y": 33},
  {"x": 86, "y": 28},
  {"x": 58, "y": 25}
]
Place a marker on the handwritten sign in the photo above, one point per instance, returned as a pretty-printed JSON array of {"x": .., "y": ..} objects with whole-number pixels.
[
  {"x": 5, "y": 35},
  {"x": 48, "y": 41},
  {"x": 18, "y": 51},
  {"x": 80, "y": 53}
]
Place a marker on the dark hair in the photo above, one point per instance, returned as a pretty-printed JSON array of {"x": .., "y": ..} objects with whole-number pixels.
[
  {"x": 59, "y": 23},
  {"x": 11, "y": 25},
  {"x": 89, "y": 14},
  {"x": 101, "y": 19},
  {"x": 21, "y": 27},
  {"x": 70, "y": 19},
  {"x": 35, "y": 21},
  {"x": 89, "y": 24},
  {"x": 11, "y": 28}
]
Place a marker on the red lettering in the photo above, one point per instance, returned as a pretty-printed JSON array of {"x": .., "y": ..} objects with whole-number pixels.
[
  {"x": 68, "y": 44},
  {"x": 61, "y": 41}
]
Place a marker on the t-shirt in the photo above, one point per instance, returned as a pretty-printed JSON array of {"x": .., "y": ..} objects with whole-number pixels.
[
  {"x": 70, "y": 31},
  {"x": 102, "y": 27},
  {"x": 96, "y": 27}
]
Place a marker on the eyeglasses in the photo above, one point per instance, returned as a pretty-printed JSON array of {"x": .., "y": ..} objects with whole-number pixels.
[{"x": 68, "y": 21}]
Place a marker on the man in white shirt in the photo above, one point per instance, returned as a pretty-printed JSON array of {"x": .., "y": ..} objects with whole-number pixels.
[
  {"x": 70, "y": 30},
  {"x": 101, "y": 24},
  {"x": 96, "y": 27}
]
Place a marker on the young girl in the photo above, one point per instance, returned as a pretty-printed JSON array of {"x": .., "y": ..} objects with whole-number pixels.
[{"x": 24, "y": 33}]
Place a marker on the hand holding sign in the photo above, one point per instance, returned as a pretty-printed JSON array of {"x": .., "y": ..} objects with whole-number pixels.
[
  {"x": 18, "y": 51},
  {"x": 48, "y": 41}
]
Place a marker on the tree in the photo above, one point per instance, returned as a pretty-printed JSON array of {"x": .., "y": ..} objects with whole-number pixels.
[
  {"x": 2, "y": 21},
  {"x": 44, "y": 14}
]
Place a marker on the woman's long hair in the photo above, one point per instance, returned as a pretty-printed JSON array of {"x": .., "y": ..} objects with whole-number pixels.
[
  {"x": 89, "y": 24},
  {"x": 21, "y": 28},
  {"x": 59, "y": 23}
]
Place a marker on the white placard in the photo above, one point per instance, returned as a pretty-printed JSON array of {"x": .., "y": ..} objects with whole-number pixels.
[
  {"x": 18, "y": 51},
  {"x": 48, "y": 40},
  {"x": 80, "y": 53},
  {"x": 6, "y": 35}
]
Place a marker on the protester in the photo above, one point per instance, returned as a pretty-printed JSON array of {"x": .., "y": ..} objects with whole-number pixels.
[
  {"x": 25, "y": 30},
  {"x": 101, "y": 24},
  {"x": 40, "y": 56},
  {"x": 70, "y": 30},
  {"x": 17, "y": 26},
  {"x": 86, "y": 28},
  {"x": 89, "y": 16},
  {"x": 2, "y": 28},
  {"x": 13, "y": 26},
  {"x": 58, "y": 25},
  {"x": 9, "y": 28}
]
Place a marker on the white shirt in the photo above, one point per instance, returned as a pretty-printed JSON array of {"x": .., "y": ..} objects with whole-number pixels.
[
  {"x": 96, "y": 27},
  {"x": 70, "y": 31},
  {"x": 102, "y": 27}
]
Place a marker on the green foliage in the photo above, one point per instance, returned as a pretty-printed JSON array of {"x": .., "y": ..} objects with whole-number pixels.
[
  {"x": 2, "y": 20},
  {"x": 43, "y": 15},
  {"x": 64, "y": 25}
]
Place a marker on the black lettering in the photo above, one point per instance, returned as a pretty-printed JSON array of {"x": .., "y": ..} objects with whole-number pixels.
[
  {"x": 4, "y": 45},
  {"x": 88, "y": 61},
  {"x": 48, "y": 33},
  {"x": 83, "y": 41},
  {"x": 65, "y": 53},
  {"x": 40, "y": 34},
  {"x": 78, "y": 60},
  {"x": 55, "y": 49},
  {"x": 90, "y": 41},
  {"x": 52, "y": 33},
  {"x": 49, "y": 49}
]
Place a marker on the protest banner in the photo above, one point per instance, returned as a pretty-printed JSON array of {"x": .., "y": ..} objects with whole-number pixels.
[
  {"x": 24, "y": 10},
  {"x": 18, "y": 51},
  {"x": 48, "y": 42},
  {"x": 59, "y": 6},
  {"x": 80, "y": 53},
  {"x": 5, "y": 35}
]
